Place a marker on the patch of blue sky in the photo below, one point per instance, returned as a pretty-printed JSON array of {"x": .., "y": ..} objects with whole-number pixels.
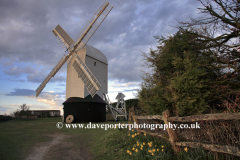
[
  {"x": 76, "y": 19},
  {"x": 9, "y": 85},
  {"x": 26, "y": 64},
  {"x": 15, "y": 101}
]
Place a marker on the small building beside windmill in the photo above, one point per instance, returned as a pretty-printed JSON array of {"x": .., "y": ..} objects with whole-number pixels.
[
  {"x": 79, "y": 102},
  {"x": 86, "y": 109}
]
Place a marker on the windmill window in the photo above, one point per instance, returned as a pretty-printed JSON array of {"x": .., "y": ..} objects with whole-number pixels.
[{"x": 95, "y": 63}]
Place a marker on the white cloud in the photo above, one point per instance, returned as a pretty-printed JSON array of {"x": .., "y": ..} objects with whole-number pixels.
[
  {"x": 50, "y": 91},
  {"x": 122, "y": 35},
  {"x": 134, "y": 29},
  {"x": 128, "y": 84}
]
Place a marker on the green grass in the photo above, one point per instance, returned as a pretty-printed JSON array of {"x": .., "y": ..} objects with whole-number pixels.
[
  {"x": 17, "y": 138},
  {"x": 121, "y": 145}
]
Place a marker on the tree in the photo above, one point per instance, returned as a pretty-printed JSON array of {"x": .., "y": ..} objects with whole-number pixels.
[
  {"x": 189, "y": 89},
  {"x": 24, "y": 108},
  {"x": 221, "y": 18},
  {"x": 188, "y": 68},
  {"x": 221, "y": 27},
  {"x": 24, "y": 111},
  {"x": 178, "y": 67}
]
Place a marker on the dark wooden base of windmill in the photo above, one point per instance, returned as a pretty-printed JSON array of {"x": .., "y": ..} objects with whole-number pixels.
[{"x": 86, "y": 109}]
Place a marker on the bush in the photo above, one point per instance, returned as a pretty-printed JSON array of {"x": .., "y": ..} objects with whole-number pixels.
[{"x": 5, "y": 118}]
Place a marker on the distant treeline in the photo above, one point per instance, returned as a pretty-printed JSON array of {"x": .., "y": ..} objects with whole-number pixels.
[{"x": 5, "y": 118}]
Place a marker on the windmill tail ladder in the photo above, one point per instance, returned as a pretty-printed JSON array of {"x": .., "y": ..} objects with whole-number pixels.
[{"x": 113, "y": 111}]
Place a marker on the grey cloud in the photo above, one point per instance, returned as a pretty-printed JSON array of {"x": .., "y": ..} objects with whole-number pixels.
[
  {"x": 22, "y": 92},
  {"x": 39, "y": 77},
  {"x": 126, "y": 67},
  {"x": 34, "y": 74},
  {"x": 17, "y": 71},
  {"x": 26, "y": 37},
  {"x": 13, "y": 80},
  {"x": 32, "y": 93},
  {"x": 7, "y": 63}
]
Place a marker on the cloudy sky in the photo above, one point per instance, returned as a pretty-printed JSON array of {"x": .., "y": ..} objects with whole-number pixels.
[{"x": 29, "y": 50}]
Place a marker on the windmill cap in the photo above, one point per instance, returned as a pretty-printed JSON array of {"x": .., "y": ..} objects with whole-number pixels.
[
  {"x": 120, "y": 96},
  {"x": 96, "y": 54}
]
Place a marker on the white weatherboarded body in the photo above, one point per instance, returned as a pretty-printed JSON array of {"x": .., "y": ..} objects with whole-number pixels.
[{"x": 97, "y": 63}]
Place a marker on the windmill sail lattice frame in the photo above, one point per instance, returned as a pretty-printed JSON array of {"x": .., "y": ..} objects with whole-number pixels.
[
  {"x": 72, "y": 47},
  {"x": 65, "y": 40}
]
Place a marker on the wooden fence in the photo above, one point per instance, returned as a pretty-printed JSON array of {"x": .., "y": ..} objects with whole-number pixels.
[
  {"x": 173, "y": 138},
  {"x": 26, "y": 117}
]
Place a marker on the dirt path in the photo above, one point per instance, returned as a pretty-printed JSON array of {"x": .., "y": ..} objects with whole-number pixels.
[{"x": 60, "y": 148}]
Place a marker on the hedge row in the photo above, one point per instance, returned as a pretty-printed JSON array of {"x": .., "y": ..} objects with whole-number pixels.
[{"x": 5, "y": 118}]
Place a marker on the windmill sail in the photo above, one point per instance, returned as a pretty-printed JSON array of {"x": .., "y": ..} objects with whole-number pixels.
[
  {"x": 62, "y": 36},
  {"x": 93, "y": 25},
  {"x": 90, "y": 82},
  {"x": 51, "y": 74},
  {"x": 71, "y": 47}
]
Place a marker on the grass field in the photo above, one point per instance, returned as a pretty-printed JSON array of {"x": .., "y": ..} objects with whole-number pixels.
[
  {"x": 41, "y": 139},
  {"x": 18, "y": 138}
]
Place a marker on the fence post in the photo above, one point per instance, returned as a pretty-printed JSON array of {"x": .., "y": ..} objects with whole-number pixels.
[
  {"x": 130, "y": 119},
  {"x": 135, "y": 120},
  {"x": 172, "y": 134}
]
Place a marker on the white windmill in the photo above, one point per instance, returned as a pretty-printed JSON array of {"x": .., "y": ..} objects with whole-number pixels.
[{"x": 79, "y": 56}]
